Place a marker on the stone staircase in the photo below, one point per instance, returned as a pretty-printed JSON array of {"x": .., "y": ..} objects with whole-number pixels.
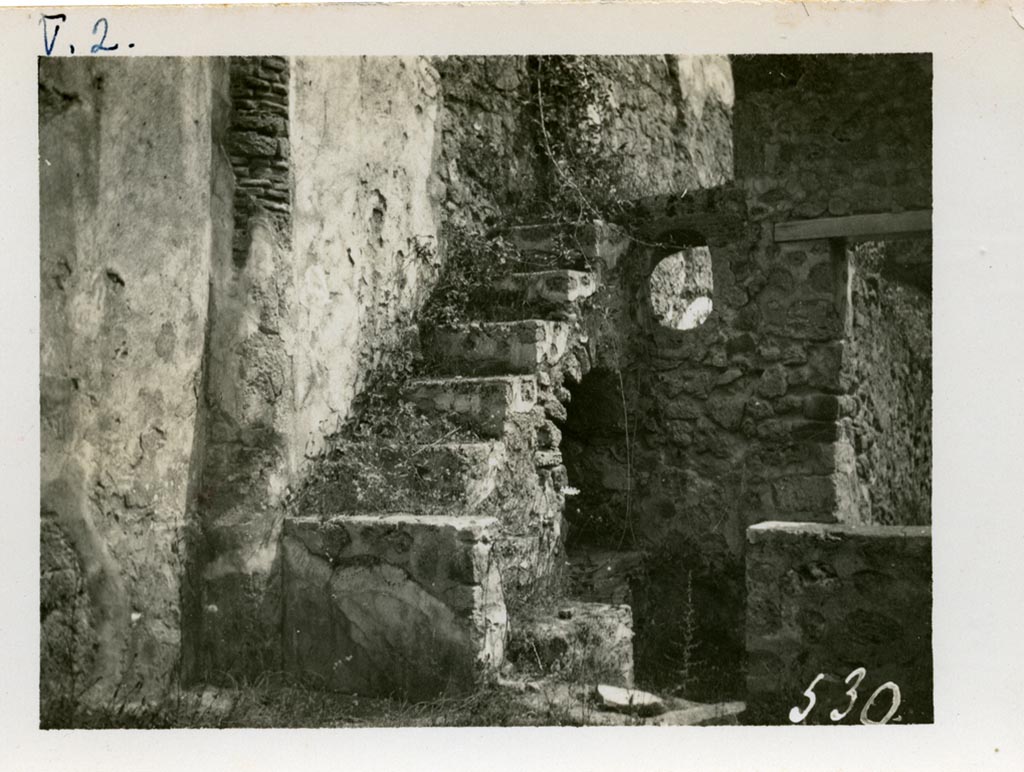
[{"x": 405, "y": 589}]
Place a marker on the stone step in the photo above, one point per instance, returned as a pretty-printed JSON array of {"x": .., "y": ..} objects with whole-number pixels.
[
  {"x": 548, "y": 288},
  {"x": 547, "y": 459},
  {"x": 496, "y": 348},
  {"x": 596, "y": 243},
  {"x": 442, "y": 478},
  {"x": 492, "y": 479},
  {"x": 604, "y": 576},
  {"x": 392, "y": 605},
  {"x": 579, "y": 640},
  {"x": 482, "y": 404}
]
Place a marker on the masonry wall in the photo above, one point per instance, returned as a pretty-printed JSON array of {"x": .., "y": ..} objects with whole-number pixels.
[
  {"x": 747, "y": 417},
  {"x": 833, "y": 134},
  {"x": 489, "y": 162},
  {"x": 660, "y": 124},
  {"x": 335, "y": 246},
  {"x": 828, "y": 599},
  {"x": 889, "y": 366},
  {"x": 126, "y": 243},
  {"x": 669, "y": 127}
]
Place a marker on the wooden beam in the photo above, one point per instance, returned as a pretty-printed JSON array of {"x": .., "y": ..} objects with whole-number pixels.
[{"x": 914, "y": 223}]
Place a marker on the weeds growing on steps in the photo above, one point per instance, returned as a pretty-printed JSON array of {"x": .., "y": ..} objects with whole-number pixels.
[{"x": 572, "y": 107}]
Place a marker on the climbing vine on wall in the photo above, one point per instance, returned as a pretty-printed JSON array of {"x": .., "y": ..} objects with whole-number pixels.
[{"x": 573, "y": 106}]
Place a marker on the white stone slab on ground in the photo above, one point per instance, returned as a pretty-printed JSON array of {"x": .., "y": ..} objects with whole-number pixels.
[{"x": 634, "y": 701}]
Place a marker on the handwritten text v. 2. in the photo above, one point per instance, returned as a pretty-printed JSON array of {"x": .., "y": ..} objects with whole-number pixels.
[{"x": 52, "y": 26}]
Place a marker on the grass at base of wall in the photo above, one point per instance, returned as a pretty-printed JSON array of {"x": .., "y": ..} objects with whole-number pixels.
[{"x": 282, "y": 703}]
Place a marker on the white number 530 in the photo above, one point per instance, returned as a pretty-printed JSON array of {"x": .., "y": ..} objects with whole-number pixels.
[{"x": 798, "y": 714}]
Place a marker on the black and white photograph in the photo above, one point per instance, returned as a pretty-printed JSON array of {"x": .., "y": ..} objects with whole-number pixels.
[
  {"x": 543, "y": 387},
  {"x": 592, "y": 390}
]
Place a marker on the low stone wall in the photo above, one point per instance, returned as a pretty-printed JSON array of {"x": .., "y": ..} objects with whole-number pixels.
[
  {"x": 397, "y": 605},
  {"x": 829, "y": 599}
]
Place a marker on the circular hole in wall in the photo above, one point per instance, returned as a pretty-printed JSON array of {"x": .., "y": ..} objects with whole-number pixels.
[{"x": 680, "y": 288}]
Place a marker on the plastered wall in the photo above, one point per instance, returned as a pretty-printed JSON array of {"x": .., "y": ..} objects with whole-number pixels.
[{"x": 125, "y": 234}]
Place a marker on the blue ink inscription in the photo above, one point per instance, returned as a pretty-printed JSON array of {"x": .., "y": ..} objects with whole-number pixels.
[
  {"x": 49, "y": 42},
  {"x": 97, "y": 47},
  {"x": 52, "y": 22}
]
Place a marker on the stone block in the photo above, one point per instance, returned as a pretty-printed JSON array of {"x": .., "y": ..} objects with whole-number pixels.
[
  {"x": 392, "y": 605},
  {"x": 546, "y": 459},
  {"x": 821, "y": 407},
  {"x": 581, "y": 703},
  {"x": 250, "y": 143},
  {"x": 773, "y": 382},
  {"x": 805, "y": 497},
  {"x": 827, "y": 599},
  {"x": 261, "y": 123},
  {"x": 549, "y": 288},
  {"x": 483, "y": 404},
  {"x": 589, "y": 641},
  {"x": 499, "y": 348}
]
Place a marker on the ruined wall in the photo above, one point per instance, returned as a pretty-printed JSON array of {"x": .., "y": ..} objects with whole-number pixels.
[
  {"x": 126, "y": 240},
  {"x": 889, "y": 361},
  {"x": 829, "y": 599},
  {"x": 335, "y": 247},
  {"x": 745, "y": 418},
  {"x": 669, "y": 127},
  {"x": 489, "y": 164},
  {"x": 650, "y": 124},
  {"x": 833, "y": 134},
  {"x": 233, "y": 612}
]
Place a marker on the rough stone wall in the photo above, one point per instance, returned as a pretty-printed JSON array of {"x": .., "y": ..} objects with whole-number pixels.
[
  {"x": 889, "y": 361},
  {"x": 833, "y": 134},
  {"x": 829, "y": 599},
  {"x": 708, "y": 93},
  {"x": 305, "y": 311},
  {"x": 744, "y": 418},
  {"x": 400, "y": 605},
  {"x": 258, "y": 145},
  {"x": 705, "y": 444},
  {"x": 670, "y": 126},
  {"x": 662, "y": 124},
  {"x": 125, "y": 230},
  {"x": 489, "y": 164}
]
